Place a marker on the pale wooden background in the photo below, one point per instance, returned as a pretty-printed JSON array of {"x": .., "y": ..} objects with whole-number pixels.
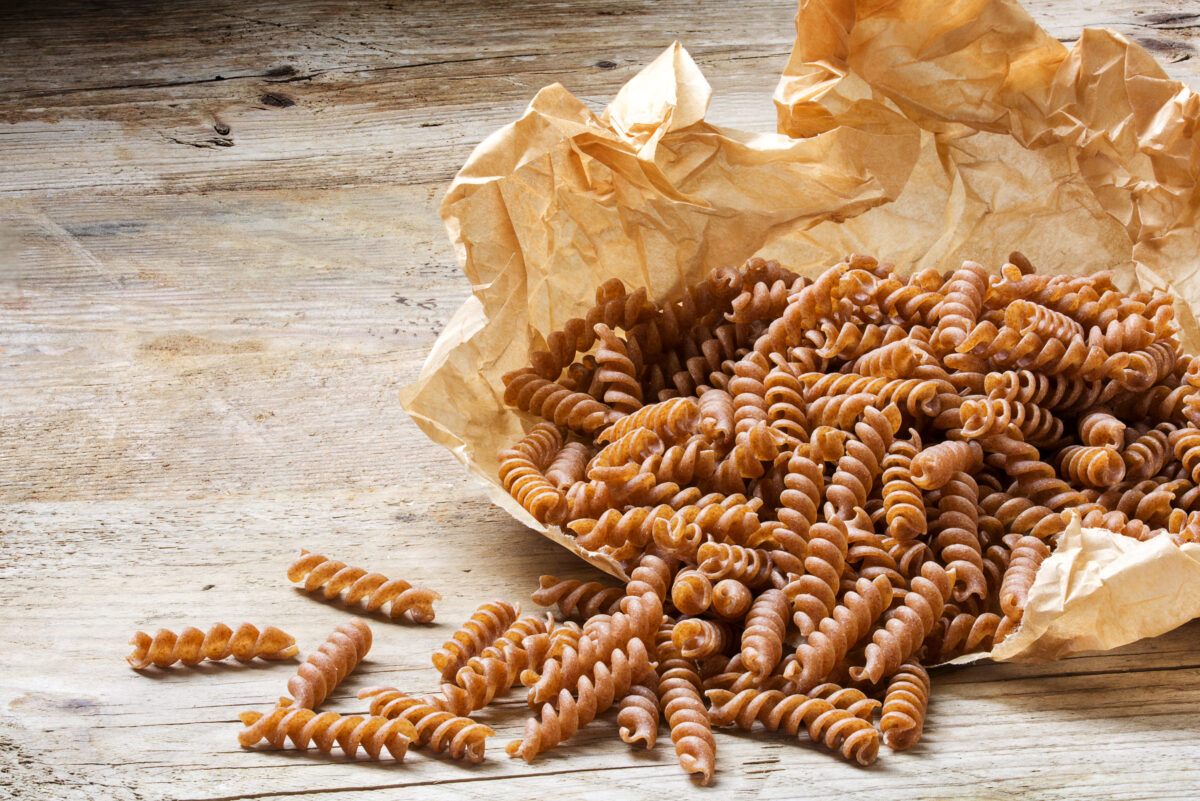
[{"x": 220, "y": 258}]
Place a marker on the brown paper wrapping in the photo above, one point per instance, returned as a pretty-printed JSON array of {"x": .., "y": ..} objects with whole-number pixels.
[{"x": 918, "y": 132}]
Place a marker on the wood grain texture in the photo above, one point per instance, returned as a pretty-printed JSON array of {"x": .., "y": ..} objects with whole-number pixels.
[{"x": 220, "y": 257}]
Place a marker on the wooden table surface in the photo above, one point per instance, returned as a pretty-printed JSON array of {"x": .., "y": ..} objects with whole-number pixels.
[{"x": 220, "y": 258}]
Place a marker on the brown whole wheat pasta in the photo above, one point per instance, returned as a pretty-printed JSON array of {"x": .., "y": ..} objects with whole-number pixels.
[
  {"x": 833, "y": 477},
  {"x": 325, "y": 730},
  {"x": 435, "y": 729},
  {"x": 332, "y": 662},
  {"x": 355, "y": 586},
  {"x": 192, "y": 646}
]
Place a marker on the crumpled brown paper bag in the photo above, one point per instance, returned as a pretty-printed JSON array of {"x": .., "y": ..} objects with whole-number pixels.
[{"x": 918, "y": 132}]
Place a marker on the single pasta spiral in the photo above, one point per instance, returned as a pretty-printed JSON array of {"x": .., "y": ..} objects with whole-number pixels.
[
  {"x": 750, "y": 566},
  {"x": 697, "y": 638},
  {"x": 325, "y": 730},
  {"x": 332, "y": 662},
  {"x": 933, "y": 467},
  {"x": 578, "y": 599},
  {"x": 862, "y": 463},
  {"x": 1100, "y": 429},
  {"x": 731, "y": 599},
  {"x": 691, "y": 592},
  {"x": 638, "y": 712},
  {"x": 568, "y": 465},
  {"x": 620, "y": 532},
  {"x": 814, "y": 594},
  {"x": 902, "y": 502},
  {"x": 521, "y": 473},
  {"x": 766, "y": 625},
  {"x": 355, "y": 586},
  {"x": 618, "y": 371},
  {"x": 960, "y": 306},
  {"x": 955, "y": 533},
  {"x": 670, "y": 420},
  {"x": 576, "y": 410},
  {"x": 1028, "y": 553},
  {"x": 1099, "y": 466},
  {"x": 837, "y": 729},
  {"x": 904, "y": 707},
  {"x": 679, "y": 690},
  {"x": 192, "y": 646}
]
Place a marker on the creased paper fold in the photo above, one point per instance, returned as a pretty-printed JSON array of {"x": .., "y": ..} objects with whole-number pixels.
[{"x": 921, "y": 132}]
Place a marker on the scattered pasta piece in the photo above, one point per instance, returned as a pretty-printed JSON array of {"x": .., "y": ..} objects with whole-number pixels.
[
  {"x": 325, "y": 730},
  {"x": 332, "y": 662},
  {"x": 192, "y": 646},
  {"x": 356, "y": 586}
]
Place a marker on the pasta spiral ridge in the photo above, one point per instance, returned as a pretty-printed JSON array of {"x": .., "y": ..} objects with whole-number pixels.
[
  {"x": 578, "y": 599},
  {"x": 902, "y": 501},
  {"x": 904, "y": 707},
  {"x": 439, "y": 731},
  {"x": 638, "y": 712},
  {"x": 851, "y": 699},
  {"x": 837, "y": 729},
  {"x": 356, "y": 586},
  {"x": 766, "y": 625},
  {"x": 192, "y": 646},
  {"x": 303, "y": 727},
  {"x": 332, "y": 662},
  {"x": 1028, "y": 553},
  {"x": 483, "y": 628},
  {"x": 909, "y": 625},
  {"x": 679, "y": 696}
]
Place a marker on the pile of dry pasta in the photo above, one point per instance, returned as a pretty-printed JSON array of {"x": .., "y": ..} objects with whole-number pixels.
[{"x": 866, "y": 466}]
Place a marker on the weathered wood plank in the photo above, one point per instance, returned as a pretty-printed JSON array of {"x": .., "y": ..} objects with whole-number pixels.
[{"x": 413, "y": 87}]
